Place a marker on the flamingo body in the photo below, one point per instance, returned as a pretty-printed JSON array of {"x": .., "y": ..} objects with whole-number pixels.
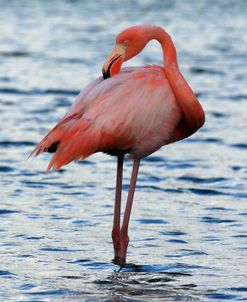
[
  {"x": 133, "y": 111},
  {"x": 139, "y": 121}
]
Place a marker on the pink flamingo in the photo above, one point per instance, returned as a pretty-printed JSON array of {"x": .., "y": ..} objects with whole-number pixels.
[{"x": 134, "y": 111}]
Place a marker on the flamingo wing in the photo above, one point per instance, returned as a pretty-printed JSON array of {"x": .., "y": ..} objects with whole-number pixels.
[
  {"x": 134, "y": 112},
  {"x": 52, "y": 139}
]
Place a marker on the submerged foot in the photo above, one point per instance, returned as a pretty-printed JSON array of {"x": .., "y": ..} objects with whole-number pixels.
[
  {"x": 119, "y": 261},
  {"x": 120, "y": 244}
]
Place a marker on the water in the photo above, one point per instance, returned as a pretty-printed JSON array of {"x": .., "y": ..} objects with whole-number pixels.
[{"x": 188, "y": 226}]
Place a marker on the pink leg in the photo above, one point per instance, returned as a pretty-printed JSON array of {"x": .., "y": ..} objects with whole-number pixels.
[
  {"x": 120, "y": 258},
  {"x": 117, "y": 208}
]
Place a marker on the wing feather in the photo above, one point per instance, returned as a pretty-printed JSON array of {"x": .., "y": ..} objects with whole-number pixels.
[{"x": 119, "y": 113}]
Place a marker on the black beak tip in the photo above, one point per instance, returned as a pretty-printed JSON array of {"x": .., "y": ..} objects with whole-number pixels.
[{"x": 106, "y": 74}]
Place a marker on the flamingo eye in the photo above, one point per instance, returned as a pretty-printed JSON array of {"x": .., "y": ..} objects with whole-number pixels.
[{"x": 126, "y": 43}]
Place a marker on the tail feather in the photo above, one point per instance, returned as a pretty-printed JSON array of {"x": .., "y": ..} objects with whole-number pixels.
[
  {"x": 77, "y": 144},
  {"x": 71, "y": 139},
  {"x": 52, "y": 139},
  {"x": 75, "y": 138}
]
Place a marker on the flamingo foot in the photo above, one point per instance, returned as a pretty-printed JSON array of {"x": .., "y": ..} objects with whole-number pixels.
[
  {"x": 120, "y": 244},
  {"x": 119, "y": 261}
]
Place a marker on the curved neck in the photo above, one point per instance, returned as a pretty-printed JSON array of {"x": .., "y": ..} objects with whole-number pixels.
[
  {"x": 169, "y": 50},
  {"x": 193, "y": 113}
]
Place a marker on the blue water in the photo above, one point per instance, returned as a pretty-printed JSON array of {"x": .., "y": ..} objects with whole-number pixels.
[{"x": 188, "y": 239}]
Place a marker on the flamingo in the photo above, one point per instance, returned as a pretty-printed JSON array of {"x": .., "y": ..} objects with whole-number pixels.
[{"x": 130, "y": 111}]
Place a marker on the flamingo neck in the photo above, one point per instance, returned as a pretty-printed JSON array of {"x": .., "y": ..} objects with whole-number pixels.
[
  {"x": 168, "y": 48},
  {"x": 193, "y": 112}
]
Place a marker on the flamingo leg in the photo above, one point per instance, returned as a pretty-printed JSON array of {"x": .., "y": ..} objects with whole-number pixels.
[
  {"x": 117, "y": 208},
  {"x": 120, "y": 257}
]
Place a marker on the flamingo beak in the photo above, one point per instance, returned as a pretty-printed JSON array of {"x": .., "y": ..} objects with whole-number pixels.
[{"x": 114, "y": 61}]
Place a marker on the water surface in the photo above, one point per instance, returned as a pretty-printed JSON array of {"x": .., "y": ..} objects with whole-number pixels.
[{"x": 188, "y": 226}]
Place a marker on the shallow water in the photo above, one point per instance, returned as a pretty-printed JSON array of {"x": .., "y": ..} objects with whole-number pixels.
[{"x": 188, "y": 238}]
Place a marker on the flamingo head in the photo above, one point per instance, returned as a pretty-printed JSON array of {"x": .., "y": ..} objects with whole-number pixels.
[{"x": 129, "y": 43}]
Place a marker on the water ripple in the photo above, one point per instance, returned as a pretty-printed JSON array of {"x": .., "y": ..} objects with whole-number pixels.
[
  {"x": 6, "y": 211},
  {"x": 16, "y": 91},
  {"x": 8, "y": 143},
  {"x": 188, "y": 224},
  {"x": 216, "y": 220},
  {"x": 206, "y": 191},
  {"x": 152, "y": 221}
]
